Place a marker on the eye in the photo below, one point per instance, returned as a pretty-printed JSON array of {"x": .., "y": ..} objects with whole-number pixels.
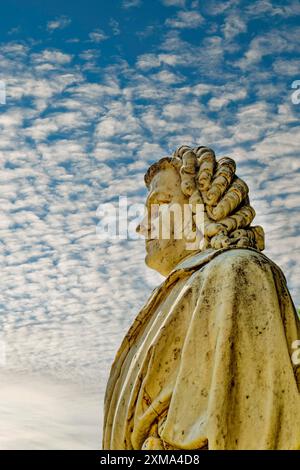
[
  {"x": 163, "y": 202},
  {"x": 163, "y": 199}
]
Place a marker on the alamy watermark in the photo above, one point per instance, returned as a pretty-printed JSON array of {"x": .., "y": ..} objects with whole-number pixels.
[
  {"x": 2, "y": 352},
  {"x": 162, "y": 221},
  {"x": 296, "y": 353},
  {"x": 2, "y": 92},
  {"x": 296, "y": 94}
]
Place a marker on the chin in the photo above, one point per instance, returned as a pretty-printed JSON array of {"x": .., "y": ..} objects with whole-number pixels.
[
  {"x": 154, "y": 262},
  {"x": 150, "y": 261}
]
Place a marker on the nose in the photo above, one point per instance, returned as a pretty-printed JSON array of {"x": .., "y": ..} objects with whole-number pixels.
[{"x": 142, "y": 228}]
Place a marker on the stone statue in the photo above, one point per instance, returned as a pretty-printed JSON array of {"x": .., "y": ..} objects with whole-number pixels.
[{"x": 207, "y": 363}]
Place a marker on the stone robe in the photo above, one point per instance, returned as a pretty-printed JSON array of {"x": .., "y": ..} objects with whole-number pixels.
[{"x": 211, "y": 352}]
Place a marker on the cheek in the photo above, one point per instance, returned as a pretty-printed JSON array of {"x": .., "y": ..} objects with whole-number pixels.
[
  {"x": 171, "y": 220},
  {"x": 158, "y": 247},
  {"x": 163, "y": 247}
]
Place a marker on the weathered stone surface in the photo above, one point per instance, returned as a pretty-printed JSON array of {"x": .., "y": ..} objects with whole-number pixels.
[{"x": 207, "y": 362}]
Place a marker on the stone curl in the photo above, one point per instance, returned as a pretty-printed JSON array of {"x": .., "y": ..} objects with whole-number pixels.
[{"x": 227, "y": 211}]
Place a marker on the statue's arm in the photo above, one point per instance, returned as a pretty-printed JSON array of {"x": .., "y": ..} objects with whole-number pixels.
[{"x": 154, "y": 441}]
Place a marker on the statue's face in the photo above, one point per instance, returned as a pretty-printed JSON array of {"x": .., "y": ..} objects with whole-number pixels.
[{"x": 164, "y": 253}]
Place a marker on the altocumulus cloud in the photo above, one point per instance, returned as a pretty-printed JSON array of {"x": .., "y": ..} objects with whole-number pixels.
[
  {"x": 59, "y": 23},
  {"x": 70, "y": 142}
]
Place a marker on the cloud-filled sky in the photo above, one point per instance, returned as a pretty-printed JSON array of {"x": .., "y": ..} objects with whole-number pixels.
[{"x": 95, "y": 92}]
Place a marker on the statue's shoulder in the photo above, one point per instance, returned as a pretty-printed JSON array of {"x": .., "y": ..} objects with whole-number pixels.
[
  {"x": 237, "y": 272},
  {"x": 240, "y": 260},
  {"x": 241, "y": 256}
]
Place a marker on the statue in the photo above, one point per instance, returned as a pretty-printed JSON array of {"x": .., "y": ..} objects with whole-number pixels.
[{"x": 207, "y": 363}]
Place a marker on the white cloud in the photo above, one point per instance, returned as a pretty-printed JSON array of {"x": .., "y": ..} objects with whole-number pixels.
[
  {"x": 115, "y": 26},
  {"x": 175, "y": 3},
  {"x": 185, "y": 20},
  {"x": 90, "y": 54},
  {"x": 167, "y": 77},
  {"x": 260, "y": 8},
  {"x": 148, "y": 61},
  {"x": 215, "y": 7},
  {"x": 233, "y": 26},
  {"x": 97, "y": 36},
  {"x": 53, "y": 56},
  {"x": 265, "y": 44},
  {"x": 112, "y": 126},
  {"x": 222, "y": 99},
  {"x": 59, "y": 23},
  {"x": 287, "y": 67},
  {"x": 131, "y": 3}
]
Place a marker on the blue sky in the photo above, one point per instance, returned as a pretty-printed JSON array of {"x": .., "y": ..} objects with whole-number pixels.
[{"x": 96, "y": 91}]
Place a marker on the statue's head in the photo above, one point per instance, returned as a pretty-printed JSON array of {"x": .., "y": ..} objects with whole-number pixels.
[{"x": 205, "y": 204}]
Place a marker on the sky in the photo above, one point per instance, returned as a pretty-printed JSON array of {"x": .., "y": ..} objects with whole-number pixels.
[{"x": 96, "y": 91}]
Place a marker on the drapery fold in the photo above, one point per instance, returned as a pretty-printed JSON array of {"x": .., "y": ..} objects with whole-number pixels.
[{"x": 211, "y": 349}]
